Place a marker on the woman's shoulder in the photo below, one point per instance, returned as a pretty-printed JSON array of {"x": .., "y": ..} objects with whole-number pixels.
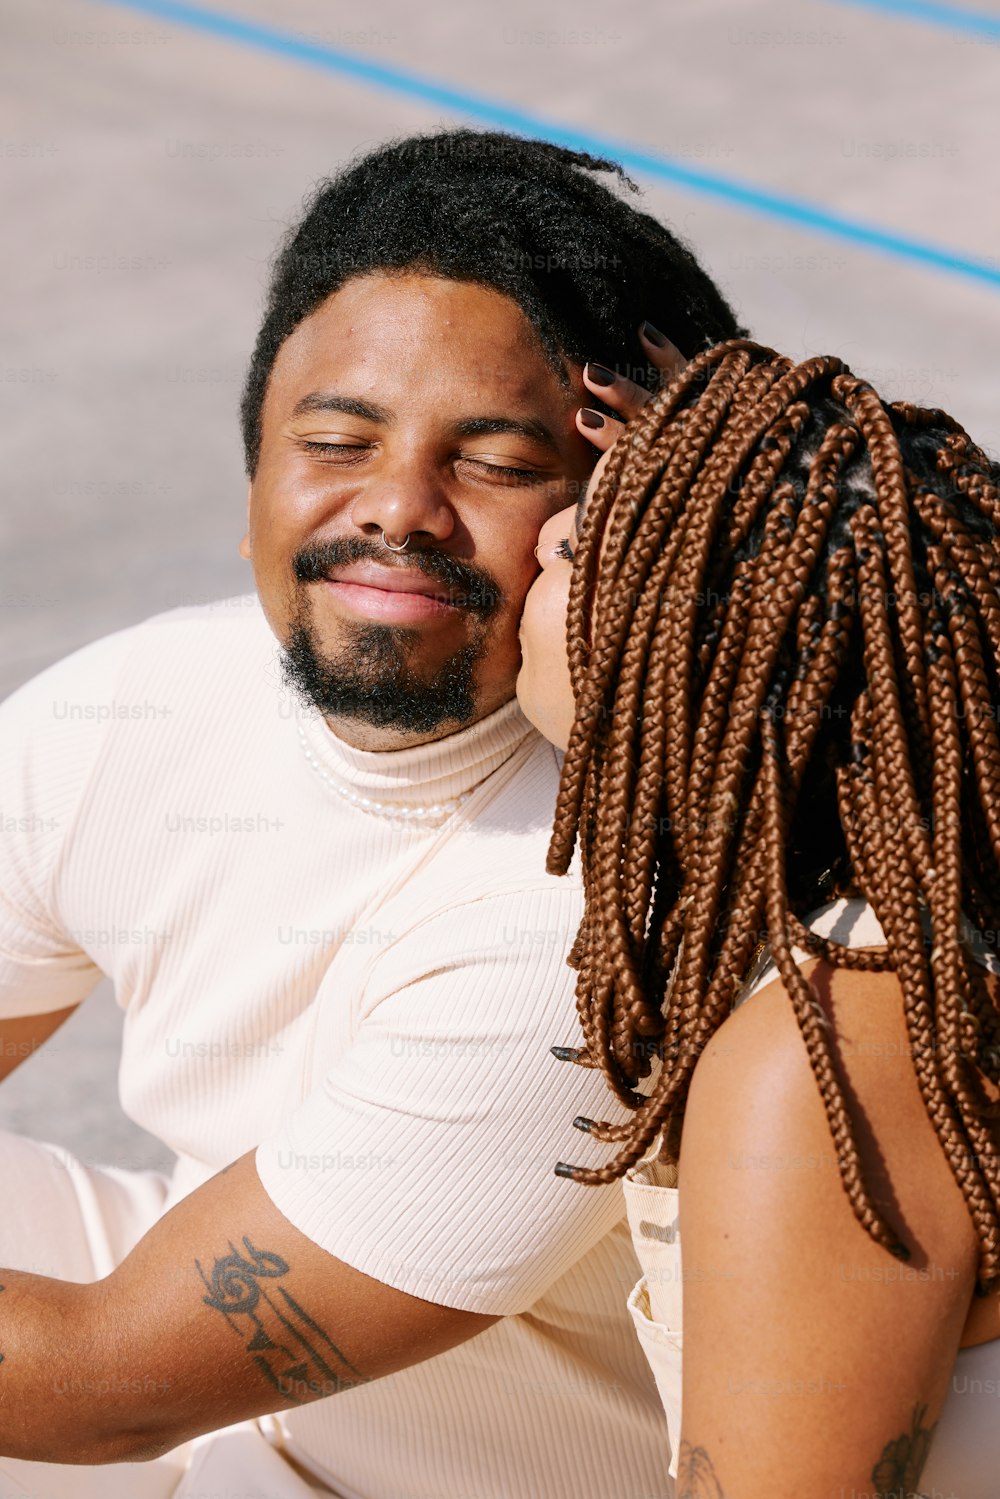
[
  {"x": 759, "y": 1079},
  {"x": 861, "y": 1012},
  {"x": 851, "y": 922}
]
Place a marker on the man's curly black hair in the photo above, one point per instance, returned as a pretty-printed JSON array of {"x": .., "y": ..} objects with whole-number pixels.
[{"x": 523, "y": 217}]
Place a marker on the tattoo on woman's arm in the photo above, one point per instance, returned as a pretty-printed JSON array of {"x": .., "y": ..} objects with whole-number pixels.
[
  {"x": 696, "y": 1476},
  {"x": 898, "y": 1470},
  {"x": 288, "y": 1346},
  {"x": 895, "y": 1475}
]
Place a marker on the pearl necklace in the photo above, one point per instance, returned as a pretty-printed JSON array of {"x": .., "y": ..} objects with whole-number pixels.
[{"x": 381, "y": 809}]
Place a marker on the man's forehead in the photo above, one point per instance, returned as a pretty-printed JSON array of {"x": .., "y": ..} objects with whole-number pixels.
[{"x": 383, "y": 329}]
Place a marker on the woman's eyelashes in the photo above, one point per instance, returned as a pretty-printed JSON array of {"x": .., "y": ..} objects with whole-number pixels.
[{"x": 563, "y": 549}]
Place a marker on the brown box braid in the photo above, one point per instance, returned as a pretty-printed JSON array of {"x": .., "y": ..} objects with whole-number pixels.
[{"x": 786, "y": 661}]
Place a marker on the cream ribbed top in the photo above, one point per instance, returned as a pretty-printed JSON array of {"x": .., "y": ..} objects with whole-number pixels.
[{"x": 355, "y": 962}]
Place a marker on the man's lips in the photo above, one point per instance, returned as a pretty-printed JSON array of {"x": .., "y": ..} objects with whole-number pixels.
[
  {"x": 394, "y": 594},
  {"x": 391, "y": 579}
]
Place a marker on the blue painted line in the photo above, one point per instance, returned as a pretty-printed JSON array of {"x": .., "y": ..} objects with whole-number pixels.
[
  {"x": 501, "y": 116},
  {"x": 952, "y": 17}
]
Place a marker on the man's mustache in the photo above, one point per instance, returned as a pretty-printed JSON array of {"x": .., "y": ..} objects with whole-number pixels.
[{"x": 474, "y": 589}]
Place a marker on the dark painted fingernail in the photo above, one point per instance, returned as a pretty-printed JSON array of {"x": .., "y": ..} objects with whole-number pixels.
[
  {"x": 582, "y": 1122},
  {"x": 653, "y": 336},
  {"x": 591, "y": 418},
  {"x": 597, "y": 374},
  {"x": 564, "y": 1169},
  {"x": 565, "y": 1053}
]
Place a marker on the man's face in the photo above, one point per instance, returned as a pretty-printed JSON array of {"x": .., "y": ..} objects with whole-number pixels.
[{"x": 416, "y": 406}]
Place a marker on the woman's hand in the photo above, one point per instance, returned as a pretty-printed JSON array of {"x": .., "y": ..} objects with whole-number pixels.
[{"x": 624, "y": 396}]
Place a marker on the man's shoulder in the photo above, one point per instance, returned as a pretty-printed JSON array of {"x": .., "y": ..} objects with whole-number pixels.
[
  {"x": 228, "y": 623},
  {"x": 231, "y": 622},
  {"x": 496, "y": 848},
  {"x": 198, "y": 642},
  {"x": 521, "y": 796},
  {"x": 178, "y": 658}
]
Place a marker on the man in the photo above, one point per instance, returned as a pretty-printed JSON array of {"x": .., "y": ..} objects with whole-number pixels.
[{"x": 340, "y": 959}]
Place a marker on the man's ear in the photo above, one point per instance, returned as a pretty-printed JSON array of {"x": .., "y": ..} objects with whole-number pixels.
[{"x": 245, "y": 543}]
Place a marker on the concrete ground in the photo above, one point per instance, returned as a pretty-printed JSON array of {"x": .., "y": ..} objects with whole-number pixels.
[{"x": 150, "y": 167}]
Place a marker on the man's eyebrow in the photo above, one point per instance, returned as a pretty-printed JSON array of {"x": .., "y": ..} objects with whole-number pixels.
[
  {"x": 473, "y": 426},
  {"x": 495, "y": 426},
  {"x": 327, "y": 400}
]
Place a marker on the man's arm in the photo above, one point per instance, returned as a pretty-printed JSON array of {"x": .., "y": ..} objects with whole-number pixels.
[
  {"x": 222, "y": 1312},
  {"x": 21, "y": 1037},
  {"x": 423, "y": 1155}
]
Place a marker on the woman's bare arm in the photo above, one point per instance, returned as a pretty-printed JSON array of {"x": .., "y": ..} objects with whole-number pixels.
[{"x": 814, "y": 1362}]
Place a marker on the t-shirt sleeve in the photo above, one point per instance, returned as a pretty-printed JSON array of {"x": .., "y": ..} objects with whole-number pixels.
[
  {"x": 425, "y": 1156},
  {"x": 51, "y": 733}
]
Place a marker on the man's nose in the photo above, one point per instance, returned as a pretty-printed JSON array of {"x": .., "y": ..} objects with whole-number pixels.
[{"x": 406, "y": 501}]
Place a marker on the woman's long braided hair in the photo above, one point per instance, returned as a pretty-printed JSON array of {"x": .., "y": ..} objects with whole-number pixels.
[{"x": 786, "y": 666}]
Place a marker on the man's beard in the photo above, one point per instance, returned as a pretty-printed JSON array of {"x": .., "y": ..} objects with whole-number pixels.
[{"x": 369, "y": 678}]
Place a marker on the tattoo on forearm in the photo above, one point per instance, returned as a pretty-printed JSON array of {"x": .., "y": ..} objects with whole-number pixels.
[
  {"x": 696, "y": 1477},
  {"x": 897, "y": 1472},
  {"x": 895, "y": 1475},
  {"x": 288, "y": 1346}
]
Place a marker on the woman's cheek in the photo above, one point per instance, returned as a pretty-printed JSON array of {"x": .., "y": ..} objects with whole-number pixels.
[{"x": 543, "y": 687}]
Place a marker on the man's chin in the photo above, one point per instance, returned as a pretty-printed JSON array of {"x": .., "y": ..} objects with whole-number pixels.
[{"x": 372, "y": 680}]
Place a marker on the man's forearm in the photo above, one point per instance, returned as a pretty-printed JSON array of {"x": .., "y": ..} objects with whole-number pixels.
[
  {"x": 22, "y": 1035},
  {"x": 56, "y": 1385}
]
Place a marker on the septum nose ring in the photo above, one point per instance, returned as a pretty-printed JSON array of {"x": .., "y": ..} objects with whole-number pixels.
[{"x": 389, "y": 546}]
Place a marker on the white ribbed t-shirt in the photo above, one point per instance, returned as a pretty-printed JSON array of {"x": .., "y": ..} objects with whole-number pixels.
[{"x": 354, "y": 962}]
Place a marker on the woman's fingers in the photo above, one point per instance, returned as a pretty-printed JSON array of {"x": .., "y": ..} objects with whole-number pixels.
[
  {"x": 599, "y": 429},
  {"x": 666, "y": 356},
  {"x": 625, "y": 397}
]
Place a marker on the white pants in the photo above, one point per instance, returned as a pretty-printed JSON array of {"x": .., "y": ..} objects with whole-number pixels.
[{"x": 77, "y": 1222}]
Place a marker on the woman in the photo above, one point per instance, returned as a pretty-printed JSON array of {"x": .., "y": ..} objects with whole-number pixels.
[{"x": 779, "y": 710}]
